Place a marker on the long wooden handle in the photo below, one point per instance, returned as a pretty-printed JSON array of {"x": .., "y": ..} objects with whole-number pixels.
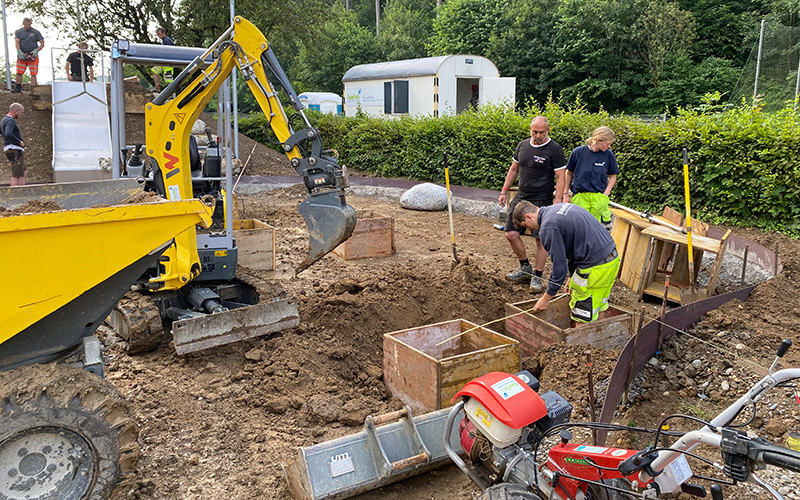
[
  {"x": 688, "y": 215},
  {"x": 409, "y": 462},
  {"x": 389, "y": 417}
]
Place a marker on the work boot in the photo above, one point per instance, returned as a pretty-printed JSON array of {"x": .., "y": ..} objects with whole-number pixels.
[
  {"x": 536, "y": 284},
  {"x": 520, "y": 273},
  {"x": 17, "y": 88}
]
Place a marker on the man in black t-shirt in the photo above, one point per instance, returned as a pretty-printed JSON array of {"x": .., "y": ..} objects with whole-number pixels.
[
  {"x": 80, "y": 65},
  {"x": 540, "y": 164}
]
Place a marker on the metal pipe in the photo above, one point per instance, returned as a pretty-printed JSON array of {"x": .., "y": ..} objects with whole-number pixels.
[
  {"x": 228, "y": 165},
  {"x": 116, "y": 144},
  {"x": 5, "y": 45},
  {"x": 758, "y": 60},
  {"x": 796, "y": 87},
  {"x": 235, "y": 90},
  {"x": 648, "y": 216}
]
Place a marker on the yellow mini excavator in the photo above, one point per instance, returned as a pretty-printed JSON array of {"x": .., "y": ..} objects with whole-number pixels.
[
  {"x": 65, "y": 432},
  {"x": 194, "y": 286}
]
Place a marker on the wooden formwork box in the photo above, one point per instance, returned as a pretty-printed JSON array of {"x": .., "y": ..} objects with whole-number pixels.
[
  {"x": 373, "y": 236},
  {"x": 426, "y": 376},
  {"x": 652, "y": 282},
  {"x": 256, "y": 243},
  {"x": 535, "y": 331}
]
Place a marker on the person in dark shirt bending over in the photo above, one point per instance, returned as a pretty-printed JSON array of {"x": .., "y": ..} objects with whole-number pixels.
[{"x": 577, "y": 243}]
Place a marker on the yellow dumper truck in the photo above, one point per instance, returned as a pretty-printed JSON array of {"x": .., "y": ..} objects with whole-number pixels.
[{"x": 64, "y": 430}]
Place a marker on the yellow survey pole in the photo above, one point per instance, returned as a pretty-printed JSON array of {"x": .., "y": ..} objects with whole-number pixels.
[{"x": 688, "y": 215}]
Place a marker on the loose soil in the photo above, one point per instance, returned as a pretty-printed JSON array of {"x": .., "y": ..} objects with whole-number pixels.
[{"x": 219, "y": 424}]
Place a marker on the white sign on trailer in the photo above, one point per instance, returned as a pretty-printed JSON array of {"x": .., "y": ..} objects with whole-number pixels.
[{"x": 365, "y": 96}]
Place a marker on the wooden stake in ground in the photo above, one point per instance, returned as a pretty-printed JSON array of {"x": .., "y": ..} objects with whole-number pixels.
[
  {"x": 590, "y": 383},
  {"x": 456, "y": 260}
]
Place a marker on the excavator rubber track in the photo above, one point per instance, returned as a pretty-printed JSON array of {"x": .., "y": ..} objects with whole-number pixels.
[{"x": 137, "y": 320}]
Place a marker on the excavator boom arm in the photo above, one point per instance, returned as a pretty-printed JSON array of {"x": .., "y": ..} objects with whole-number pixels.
[{"x": 168, "y": 127}]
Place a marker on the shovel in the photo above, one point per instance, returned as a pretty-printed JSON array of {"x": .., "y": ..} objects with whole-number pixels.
[{"x": 456, "y": 260}]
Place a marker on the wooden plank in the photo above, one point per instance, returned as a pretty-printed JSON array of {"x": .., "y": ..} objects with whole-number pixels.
[
  {"x": 640, "y": 284},
  {"x": 680, "y": 268},
  {"x": 255, "y": 241},
  {"x": 634, "y": 220},
  {"x": 620, "y": 231},
  {"x": 712, "y": 281},
  {"x": 635, "y": 252},
  {"x": 373, "y": 236},
  {"x": 669, "y": 249},
  {"x": 409, "y": 375},
  {"x": 656, "y": 289},
  {"x": 666, "y": 234},
  {"x": 456, "y": 373},
  {"x": 533, "y": 333}
]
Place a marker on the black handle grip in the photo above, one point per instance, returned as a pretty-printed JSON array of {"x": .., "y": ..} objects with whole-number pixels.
[
  {"x": 789, "y": 461},
  {"x": 138, "y": 149},
  {"x": 785, "y": 345},
  {"x": 716, "y": 492},
  {"x": 208, "y": 134},
  {"x": 685, "y": 156}
]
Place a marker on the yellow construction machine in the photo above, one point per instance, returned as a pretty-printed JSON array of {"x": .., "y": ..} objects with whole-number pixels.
[
  {"x": 195, "y": 286},
  {"x": 64, "y": 431}
]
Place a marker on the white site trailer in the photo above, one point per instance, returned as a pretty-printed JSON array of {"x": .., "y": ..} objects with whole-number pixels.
[
  {"x": 429, "y": 86},
  {"x": 325, "y": 102}
]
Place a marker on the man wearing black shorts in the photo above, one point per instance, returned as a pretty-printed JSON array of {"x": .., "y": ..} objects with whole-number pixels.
[
  {"x": 540, "y": 164},
  {"x": 13, "y": 143}
]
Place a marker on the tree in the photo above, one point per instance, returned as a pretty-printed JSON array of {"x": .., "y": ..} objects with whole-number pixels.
[
  {"x": 664, "y": 30},
  {"x": 595, "y": 41},
  {"x": 465, "y": 26},
  {"x": 105, "y": 21},
  {"x": 523, "y": 47},
  {"x": 342, "y": 43},
  {"x": 405, "y": 29}
]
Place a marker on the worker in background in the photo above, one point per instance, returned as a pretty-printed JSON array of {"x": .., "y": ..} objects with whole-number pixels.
[
  {"x": 473, "y": 101},
  {"x": 578, "y": 245},
  {"x": 162, "y": 72},
  {"x": 29, "y": 43},
  {"x": 540, "y": 163},
  {"x": 80, "y": 65},
  {"x": 592, "y": 171},
  {"x": 13, "y": 144}
]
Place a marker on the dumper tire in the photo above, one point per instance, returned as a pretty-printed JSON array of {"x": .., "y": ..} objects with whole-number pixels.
[
  {"x": 508, "y": 491},
  {"x": 66, "y": 433},
  {"x": 137, "y": 320}
]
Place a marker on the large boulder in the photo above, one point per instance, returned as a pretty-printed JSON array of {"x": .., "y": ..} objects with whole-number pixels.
[{"x": 425, "y": 196}]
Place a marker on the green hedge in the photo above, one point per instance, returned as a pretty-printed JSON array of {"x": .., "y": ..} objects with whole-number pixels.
[{"x": 744, "y": 164}]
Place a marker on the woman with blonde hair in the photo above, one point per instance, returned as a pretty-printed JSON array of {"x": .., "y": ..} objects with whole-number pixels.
[{"x": 591, "y": 174}]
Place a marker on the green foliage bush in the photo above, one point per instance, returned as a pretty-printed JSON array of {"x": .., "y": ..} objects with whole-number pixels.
[{"x": 744, "y": 164}]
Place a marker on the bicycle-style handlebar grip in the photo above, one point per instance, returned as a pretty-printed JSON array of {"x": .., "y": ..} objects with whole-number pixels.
[
  {"x": 785, "y": 461},
  {"x": 785, "y": 345},
  {"x": 716, "y": 492}
]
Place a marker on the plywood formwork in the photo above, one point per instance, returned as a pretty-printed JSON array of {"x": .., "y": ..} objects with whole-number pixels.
[
  {"x": 373, "y": 236},
  {"x": 256, "y": 243},
  {"x": 426, "y": 375},
  {"x": 535, "y": 331}
]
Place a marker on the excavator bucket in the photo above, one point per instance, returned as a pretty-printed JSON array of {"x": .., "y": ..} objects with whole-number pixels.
[{"x": 329, "y": 225}]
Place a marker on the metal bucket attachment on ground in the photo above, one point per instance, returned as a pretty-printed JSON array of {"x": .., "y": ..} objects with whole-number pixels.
[
  {"x": 372, "y": 458},
  {"x": 212, "y": 330},
  {"x": 328, "y": 226}
]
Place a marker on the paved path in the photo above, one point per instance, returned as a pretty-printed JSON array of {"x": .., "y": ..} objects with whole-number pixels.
[{"x": 469, "y": 193}]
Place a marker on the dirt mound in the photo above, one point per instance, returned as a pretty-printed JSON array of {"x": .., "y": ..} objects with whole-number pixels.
[{"x": 31, "y": 207}]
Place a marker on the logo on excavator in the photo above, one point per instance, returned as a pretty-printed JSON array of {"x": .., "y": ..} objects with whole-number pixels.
[{"x": 171, "y": 161}]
